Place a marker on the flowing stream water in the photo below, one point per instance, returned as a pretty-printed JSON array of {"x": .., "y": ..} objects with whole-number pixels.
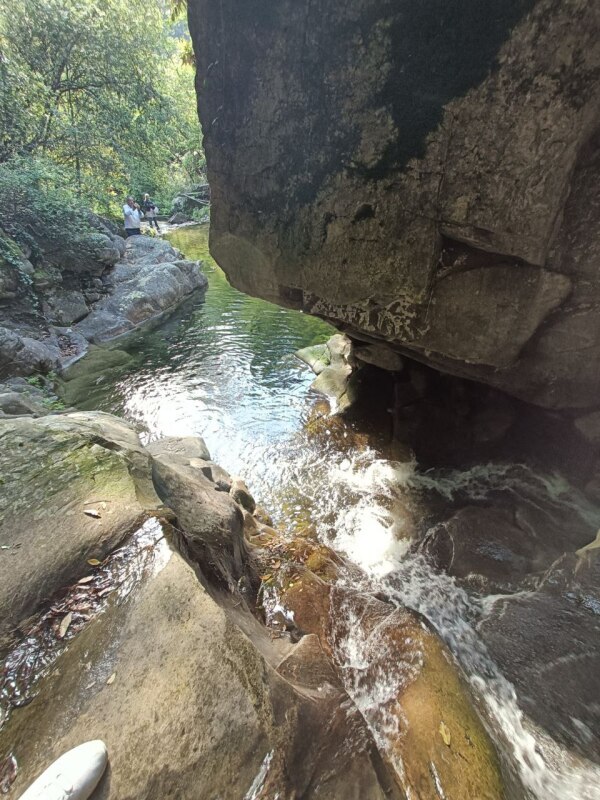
[{"x": 223, "y": 368}]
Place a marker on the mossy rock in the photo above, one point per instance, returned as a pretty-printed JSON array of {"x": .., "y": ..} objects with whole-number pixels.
[{"x": 53, "y": 470}]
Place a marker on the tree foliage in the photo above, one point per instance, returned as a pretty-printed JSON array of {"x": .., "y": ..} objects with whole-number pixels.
[{"x": 101, "y": 88}]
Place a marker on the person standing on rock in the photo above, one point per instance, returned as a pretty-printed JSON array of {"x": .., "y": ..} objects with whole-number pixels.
[
  {"x": 150, "y": 211},
  {"x": 133, "y": 217}
]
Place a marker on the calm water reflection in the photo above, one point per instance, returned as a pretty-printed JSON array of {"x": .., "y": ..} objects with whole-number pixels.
[{"x": 222, "y": 368}]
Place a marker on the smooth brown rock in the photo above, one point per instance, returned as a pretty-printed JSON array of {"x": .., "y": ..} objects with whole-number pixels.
[
  {"x": 195, "y": 710},
  {"x": 420, "y": 696}
]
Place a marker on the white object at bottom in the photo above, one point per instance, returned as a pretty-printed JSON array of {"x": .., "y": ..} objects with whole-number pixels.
[{"x": 73, "y": 776}]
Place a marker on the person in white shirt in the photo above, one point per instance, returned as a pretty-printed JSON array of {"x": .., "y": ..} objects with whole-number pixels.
[{"x": 133, "y": 217}]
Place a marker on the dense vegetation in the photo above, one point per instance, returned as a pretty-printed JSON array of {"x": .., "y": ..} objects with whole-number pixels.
[{"x": 96, "y": 100}]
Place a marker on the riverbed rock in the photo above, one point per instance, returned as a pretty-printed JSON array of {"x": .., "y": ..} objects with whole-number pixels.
[
  {"x": 435, "y": 191},
  {"x": 64, "y": 307},
  {"x": 548, "y": 644},
  {"x": 196, "y": 707},
  {"x": 179, "y": 218},
  {"x": 240, "y": 493},
  {"x": 72, "y": 486},
  {"x": 19, "y": 404},
  {"x": 148, "y": 282},
  {"x": 406, "y": 685},
  {"x": 588, "y": 426},
  {"x": 508, "y": 546},
  {"x": 482, "y": 544},
  {"x": 211, "y": 521}
]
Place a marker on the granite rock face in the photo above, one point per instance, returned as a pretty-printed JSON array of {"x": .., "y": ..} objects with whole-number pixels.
[
  {"x": 424, "y": 176},
  {"x": 150, "y": 280}
]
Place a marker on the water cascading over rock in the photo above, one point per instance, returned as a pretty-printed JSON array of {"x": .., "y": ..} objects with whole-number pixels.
[{"x": 425, "y": 175}]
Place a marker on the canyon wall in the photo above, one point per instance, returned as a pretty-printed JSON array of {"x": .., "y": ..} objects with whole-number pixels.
[{"x": 422, "y": 175}]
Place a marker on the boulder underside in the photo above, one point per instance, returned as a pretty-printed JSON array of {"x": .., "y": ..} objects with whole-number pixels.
[{"x": 421, "y": 175}]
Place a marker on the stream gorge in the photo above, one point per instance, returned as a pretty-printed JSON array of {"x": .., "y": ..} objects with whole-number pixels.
[{"x": 445, "y": 552}]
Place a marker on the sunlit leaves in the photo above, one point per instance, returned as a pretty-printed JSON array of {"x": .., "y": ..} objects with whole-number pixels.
[{"x": 104, "y": 89}]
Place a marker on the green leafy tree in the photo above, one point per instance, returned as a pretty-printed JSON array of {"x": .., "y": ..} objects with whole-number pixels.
[{"x": 102, "y": 89}]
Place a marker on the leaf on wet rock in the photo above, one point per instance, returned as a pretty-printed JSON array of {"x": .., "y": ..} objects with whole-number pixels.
[
  {"x": 94, "y": 562},
  {"x": 87, "y": 579},
  {"x": 445, "y": 733},
  {"x": 111, "y": 680},
  {"x": 92, "y": 512},
  {"x": 64, "y": 625}
]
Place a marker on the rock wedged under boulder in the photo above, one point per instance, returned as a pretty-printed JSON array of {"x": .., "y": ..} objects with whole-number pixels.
[{"x": 335, "y": 366}]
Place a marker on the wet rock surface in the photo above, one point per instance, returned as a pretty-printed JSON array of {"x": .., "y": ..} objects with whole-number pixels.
[
  {"x": 506, "y": 547},
  {"x": 245, "y": 715},
  {"x": 222, "y": 723},
  {"x": 371, "y": 180},
  {"x": 400, "y": 676},
  {"x": 547, "y": 642},
  {"x": 335, "y": 365}
]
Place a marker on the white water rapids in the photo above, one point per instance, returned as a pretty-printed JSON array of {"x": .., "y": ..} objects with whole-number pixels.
[{"x": 374, "y": 538}]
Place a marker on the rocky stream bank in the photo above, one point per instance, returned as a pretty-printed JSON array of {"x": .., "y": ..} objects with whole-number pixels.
[{"x": 50, "y": 315}]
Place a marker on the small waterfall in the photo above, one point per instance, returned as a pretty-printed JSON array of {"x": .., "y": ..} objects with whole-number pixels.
[{"x": 372, "y": 535}]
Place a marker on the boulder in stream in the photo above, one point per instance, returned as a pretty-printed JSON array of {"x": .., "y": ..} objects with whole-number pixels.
[
  {"x": 424, "y": 177},
  {"x": 397, "y": 671},
  {"x": 547, "y": 643}
]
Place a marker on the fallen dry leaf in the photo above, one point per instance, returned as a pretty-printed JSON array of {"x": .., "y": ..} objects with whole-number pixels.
[
  {"x": 87, "y": 579},
  {"x": 92, "y": 512},
  {"x": 64, "y": 625},
  {"x": 94, "y": 562},
  {"x": 445, "y": 733},
  {"x": 111, "y": 679}
]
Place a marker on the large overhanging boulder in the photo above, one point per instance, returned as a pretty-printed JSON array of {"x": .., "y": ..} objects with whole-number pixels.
[{"x": 423, "y": 174}]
